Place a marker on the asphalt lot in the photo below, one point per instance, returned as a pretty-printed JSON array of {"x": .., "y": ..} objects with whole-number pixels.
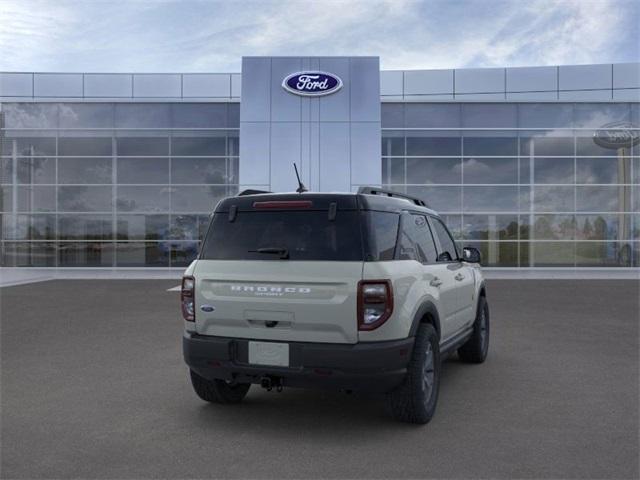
[{"x": 93, "y": 386}]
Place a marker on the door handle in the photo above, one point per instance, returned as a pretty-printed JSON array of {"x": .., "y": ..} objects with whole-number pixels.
[
  {"x": 436, "y": 282},
  {"x": 459, "y": 277}
]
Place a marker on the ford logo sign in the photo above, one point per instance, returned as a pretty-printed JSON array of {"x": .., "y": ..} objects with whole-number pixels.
[
  {"x": 617, "y": 135},
  {"x": 207, "y": 308},
  {"x": 312, "y": 84}
]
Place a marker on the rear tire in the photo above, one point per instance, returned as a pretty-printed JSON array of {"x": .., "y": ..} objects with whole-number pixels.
[
  {"x": 476, "y": 348},
  {"x": 218, "y": 391},
  {"x": 415, "y": 400}
]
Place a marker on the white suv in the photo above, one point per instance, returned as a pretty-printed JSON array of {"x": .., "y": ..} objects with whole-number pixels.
[{"x": 361, "y": 291}]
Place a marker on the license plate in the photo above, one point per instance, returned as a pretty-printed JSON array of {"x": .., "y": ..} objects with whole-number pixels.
[{"x": 269, "y": 353}]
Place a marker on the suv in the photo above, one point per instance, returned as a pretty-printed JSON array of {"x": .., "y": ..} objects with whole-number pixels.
[{"x": 363, "y": 291}]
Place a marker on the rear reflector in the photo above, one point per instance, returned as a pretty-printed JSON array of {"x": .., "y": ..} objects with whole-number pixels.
[{"x": 284, "y": 204}]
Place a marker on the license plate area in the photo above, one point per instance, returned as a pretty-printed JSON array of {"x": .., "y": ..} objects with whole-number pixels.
[{"x": 269, "y": 353}]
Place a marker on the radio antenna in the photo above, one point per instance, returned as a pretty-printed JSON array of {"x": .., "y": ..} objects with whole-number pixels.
[{"x": 301, "y": 188}]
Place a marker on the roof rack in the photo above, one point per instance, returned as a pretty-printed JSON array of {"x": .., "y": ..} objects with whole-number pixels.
[
  {"x": 251, "y": 191},
  {"x": 391, "y": 193}
]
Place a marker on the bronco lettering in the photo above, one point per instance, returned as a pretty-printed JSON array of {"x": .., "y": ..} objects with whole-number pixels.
[{"x": 268, "y": 289}]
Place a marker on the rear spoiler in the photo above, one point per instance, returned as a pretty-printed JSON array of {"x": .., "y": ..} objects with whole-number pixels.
[
  {"x": 251, "y": 191},
  {"x": 256, "y": 200}
]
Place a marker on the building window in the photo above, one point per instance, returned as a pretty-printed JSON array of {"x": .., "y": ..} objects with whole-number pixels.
[
  {"x": 112, "y": 185},
  {"x": 524, "y": 183}
]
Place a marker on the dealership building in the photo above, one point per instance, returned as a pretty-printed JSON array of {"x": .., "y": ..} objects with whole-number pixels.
[{"x": 537, "y": 167}]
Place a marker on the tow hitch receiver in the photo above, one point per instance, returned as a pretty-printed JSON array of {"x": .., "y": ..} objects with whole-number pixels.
[{"x": 270, "y": 382}]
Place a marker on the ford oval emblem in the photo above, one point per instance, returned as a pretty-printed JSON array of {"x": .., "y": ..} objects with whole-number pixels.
[
  {"x": 312, "y": 84},
  {"x": 207, "y": 308},
  {"x": 617, "y": 135}
]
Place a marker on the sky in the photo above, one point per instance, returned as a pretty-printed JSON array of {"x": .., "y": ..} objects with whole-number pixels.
[{"x": 212, "y": 36}]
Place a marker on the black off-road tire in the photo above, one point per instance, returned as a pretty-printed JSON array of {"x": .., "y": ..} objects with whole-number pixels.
[
  {"x": 218, "y": 391},
  {"x": 415, "y": 401},
  {"x": 476, "y": 348}
]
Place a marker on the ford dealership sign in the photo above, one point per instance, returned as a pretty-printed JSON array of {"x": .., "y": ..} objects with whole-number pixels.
[
  {"x": 312, "y": 84},
  {"x": 617, "y": 135}
]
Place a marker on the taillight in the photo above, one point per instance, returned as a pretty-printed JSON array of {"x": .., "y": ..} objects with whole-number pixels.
[
  {"x": 375, "y": 303},
  {"x": 187, "y": 299}
]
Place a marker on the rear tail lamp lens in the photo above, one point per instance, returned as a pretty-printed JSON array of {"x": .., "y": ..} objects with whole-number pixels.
[
  {"x": 187, "y": 299},
  {"x": 375, "y": 303}
]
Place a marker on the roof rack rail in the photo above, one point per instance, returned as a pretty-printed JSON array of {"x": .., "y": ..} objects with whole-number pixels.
[
  {"x": 391, "y": 193},
  {"x": 251, "y": 191}
]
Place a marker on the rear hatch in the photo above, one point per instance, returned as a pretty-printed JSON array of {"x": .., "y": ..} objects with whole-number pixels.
[{"x": 284, "y": 269}]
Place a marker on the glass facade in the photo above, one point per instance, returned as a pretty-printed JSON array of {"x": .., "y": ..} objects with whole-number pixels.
[
  {"x": 133, "y": 184},
  {"x": 112, "y": 184},
  {"x": 524, "y": 183}
]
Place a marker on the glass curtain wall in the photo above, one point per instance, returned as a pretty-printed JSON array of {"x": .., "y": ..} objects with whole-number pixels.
[
  {"x": 113, "y": 185},
  {"x": 524, "y": 183},
  {"x": 132, "y": 185}
]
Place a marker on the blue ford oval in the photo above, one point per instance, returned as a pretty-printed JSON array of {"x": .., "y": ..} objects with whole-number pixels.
[
  {"x": 617, "y": 135},
  {"x": 312, "y": 84}
]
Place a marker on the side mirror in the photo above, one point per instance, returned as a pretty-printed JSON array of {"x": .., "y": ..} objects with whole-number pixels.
[{"x": 471, "y": 255}]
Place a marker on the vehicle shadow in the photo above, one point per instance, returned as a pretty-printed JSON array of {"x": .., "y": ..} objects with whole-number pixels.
[{"x": 296, "y": 411}]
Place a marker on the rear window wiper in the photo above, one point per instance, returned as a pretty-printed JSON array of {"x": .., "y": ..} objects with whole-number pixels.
[{"x": 283, "y": 252}]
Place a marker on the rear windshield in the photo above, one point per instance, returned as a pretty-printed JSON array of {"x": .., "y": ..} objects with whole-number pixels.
[{"x": 267, "y": 235}]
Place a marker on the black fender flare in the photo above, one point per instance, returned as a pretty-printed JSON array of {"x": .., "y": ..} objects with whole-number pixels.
[
  {"x": 482, "y": 289},
  {"x": 427, "y": 307},
  {"x": 482, "y": 292}
]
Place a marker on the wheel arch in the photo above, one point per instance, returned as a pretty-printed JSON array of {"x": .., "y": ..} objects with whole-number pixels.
[
  {"x": 482, "y": 290},
  {"x": 427, "y": 313}
]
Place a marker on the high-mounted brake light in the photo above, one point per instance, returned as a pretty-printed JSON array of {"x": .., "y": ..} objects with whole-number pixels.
[
  {"x": 375, "y": 303},
  {"x": 284, "y": 204},
  {"x": 187, "y": 299}
]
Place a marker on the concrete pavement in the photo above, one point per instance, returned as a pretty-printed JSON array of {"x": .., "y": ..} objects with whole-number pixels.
[{"x": 93, "y": 386}]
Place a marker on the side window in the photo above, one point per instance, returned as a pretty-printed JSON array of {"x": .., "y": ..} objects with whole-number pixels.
[
  {"x": 447, "y": 244},
  {"x": 381, "y": 234},
  {"x": 416, "y": 242}
]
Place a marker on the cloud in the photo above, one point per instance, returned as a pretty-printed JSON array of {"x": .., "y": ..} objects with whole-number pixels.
[
  {"x": 26, "y": 32},
  {"x": 536, "y": 32},
  {"x": 198, "y": 35},
  {"x": 545, "y": 32}
]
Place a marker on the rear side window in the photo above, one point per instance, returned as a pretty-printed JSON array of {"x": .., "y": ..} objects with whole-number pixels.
[
  {"x": 416, "y": 242},
  {"x": 381, "y": 235},
  {"x": 305, "y": 235},
  {"x": 447, "y": 244}
]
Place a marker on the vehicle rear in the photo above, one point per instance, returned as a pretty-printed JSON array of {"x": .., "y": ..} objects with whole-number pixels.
[
  {"x": 277, "y": 297},
  {"x": 281, "y": 267}
]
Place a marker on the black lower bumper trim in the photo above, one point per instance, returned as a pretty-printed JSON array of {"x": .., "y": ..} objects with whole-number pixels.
[{"x": 371, "y": 367}]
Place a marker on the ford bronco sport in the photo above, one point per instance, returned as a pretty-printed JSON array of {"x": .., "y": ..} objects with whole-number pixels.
[{"x": 363, "y": 291}]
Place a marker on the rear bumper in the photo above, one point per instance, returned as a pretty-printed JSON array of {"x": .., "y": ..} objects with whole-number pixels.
[{"x": 370, "y": 367}]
